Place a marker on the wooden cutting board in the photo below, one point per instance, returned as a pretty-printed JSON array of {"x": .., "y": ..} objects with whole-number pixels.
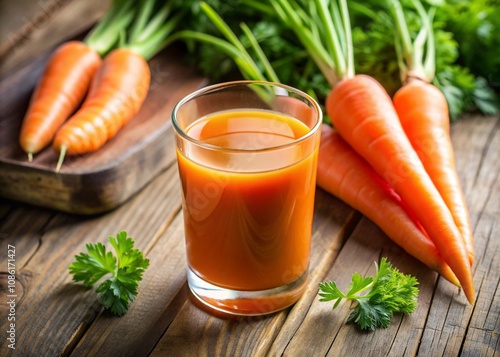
[{"x": 99, "y": 181}]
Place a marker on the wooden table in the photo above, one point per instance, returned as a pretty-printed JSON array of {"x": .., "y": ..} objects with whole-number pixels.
[{"x": 54, "y": 316}]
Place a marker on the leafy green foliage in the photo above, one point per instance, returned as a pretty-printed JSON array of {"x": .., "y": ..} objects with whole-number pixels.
[
  {"x": 390, "y": 292},
  {"x": 466, "y": 80},
  {"x": 124, "y": 269},
  {"x": 374, "y": 50},
  {"x": 463, "y": 87},
  {"x": 475, "y": 25}
]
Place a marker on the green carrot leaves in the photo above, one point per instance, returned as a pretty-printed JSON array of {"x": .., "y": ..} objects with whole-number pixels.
[
  {"x": 389, "y": 292},
  {"x": 125, "y": 270}
]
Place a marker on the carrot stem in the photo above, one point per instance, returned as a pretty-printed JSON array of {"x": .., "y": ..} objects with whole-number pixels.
[
  {"x": 317, "y": 51},
  {"x": 260, "y": 54},
  {"x": 150, "y": 30},
  {"x": 103, "y": 37},
  {"x": 154, "y": 23},
  {"x": 230, "y": 36},
  {"x": 411, "y": 54},
  {"x": 232, "y": 46},
  {"x": 347, "y": 31},
  {"x": 141, "y": 20},
  {"x": 157, "y": 41},
  {"x": 332, "y": 38}
]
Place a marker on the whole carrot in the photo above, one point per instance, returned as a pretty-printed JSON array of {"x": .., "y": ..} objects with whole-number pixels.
[
  {"x": 363, "y": 113},
  {"x": 115, "y": 96},
  {"x": 423, "y": 111},
  {"x": 58, "y": 94},
  {"x": 121, "y": 84},
  {"x": 345, "y": 174},
  {"x": 67, "y": 77}
]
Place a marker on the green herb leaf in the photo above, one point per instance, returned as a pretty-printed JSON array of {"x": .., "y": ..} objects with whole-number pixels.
[
  {"x": 387, "y": 293},
  {"x": 370, "y": 314},
  {"x": 125, "y": 270}
]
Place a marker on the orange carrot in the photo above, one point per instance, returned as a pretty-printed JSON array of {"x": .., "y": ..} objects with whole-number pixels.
[
  {"x": 362, "y": 112},
  {"x": 67, "y": 78},
  {"x": 58, "y": 94},
  {"x": 423, "y": 111},
  {"x": 345, "y": 174},
  {"x": 364, "y": 115},
  {"x": 424, "y": 114},
  {"x": 121, "y": 84},
  {"x": 119, "y": 88}
]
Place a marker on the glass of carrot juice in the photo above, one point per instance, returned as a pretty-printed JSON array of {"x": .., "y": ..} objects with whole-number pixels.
[{"x": 247, "y": 154}]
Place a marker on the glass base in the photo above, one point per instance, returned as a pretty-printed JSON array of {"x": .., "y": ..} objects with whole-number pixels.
[{"x": 247, "y": 303}]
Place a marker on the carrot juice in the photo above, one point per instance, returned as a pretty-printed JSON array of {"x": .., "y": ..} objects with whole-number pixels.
[
  {"x": 247, "y": 230},
  {"x": 248, "y": 179}
]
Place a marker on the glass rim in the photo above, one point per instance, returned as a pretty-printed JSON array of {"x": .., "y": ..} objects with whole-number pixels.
[{"x": 207, "y": 89}]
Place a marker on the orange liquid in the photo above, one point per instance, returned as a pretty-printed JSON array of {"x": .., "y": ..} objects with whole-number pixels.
[{"x": 248, "y": 219}]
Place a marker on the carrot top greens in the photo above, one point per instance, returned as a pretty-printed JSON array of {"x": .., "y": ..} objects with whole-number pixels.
[
  {"x": 124, "y": 269},
  {"x": 389, "y": 292},
  {"x": 306, "y": 61},
  {"x": 141, "y": 25},
  {"x": 416, "y": 58}
]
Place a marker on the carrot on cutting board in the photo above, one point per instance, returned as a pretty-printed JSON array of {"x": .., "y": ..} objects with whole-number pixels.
[
  {"x": 363, "y": 113},
  {"x": 345, "y": 174},
  {"x": 60, "y": 91},
  {"x": 120, "y": 85},
  {"x": 423, "y": 111},
  {"x": 115, "y": 96},
  {"x": 66, "y": 79}
]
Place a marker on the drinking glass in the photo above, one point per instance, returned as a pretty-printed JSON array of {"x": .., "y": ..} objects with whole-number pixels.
[{"x": 247, "y": 155}]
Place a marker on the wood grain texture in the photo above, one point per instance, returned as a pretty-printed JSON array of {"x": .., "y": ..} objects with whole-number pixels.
[
  {"x": 140, "y": 329},
  {"x": 29, "y": 28},
  {"x": 49, "y": 293},
  {"x": 479, "y": 140},
  {"x": 59, "y": 317}
]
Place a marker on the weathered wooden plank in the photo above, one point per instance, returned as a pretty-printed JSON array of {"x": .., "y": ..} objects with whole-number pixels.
[
  {"x": 136, "y": 333},
  {"x": 22, "y": 228},
  {"x": 54, "y": 311},
  {"x": 67, "y": 313},
  {"x": 33, "y": 27},
  {"x": 450, "y": 316},
  {"x": 483, "y": 332},
  {"x": 472, "y": 138},
  {"x": 5, "y": 208}
]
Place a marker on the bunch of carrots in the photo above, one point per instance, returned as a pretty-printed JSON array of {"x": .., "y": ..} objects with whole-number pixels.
[
  {"x": 92, "y": 88},
  {"x": 391, "y": 159}
]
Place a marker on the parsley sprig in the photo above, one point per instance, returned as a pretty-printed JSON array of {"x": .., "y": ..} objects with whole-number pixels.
[
  {"x": 389, "y": 292},
  {"x": 125, "y": 270}
]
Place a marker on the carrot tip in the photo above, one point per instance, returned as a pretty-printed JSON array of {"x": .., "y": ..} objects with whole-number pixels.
[
  {"x": 61, "y": 158},
  {"x": 30, "y": 157}
]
